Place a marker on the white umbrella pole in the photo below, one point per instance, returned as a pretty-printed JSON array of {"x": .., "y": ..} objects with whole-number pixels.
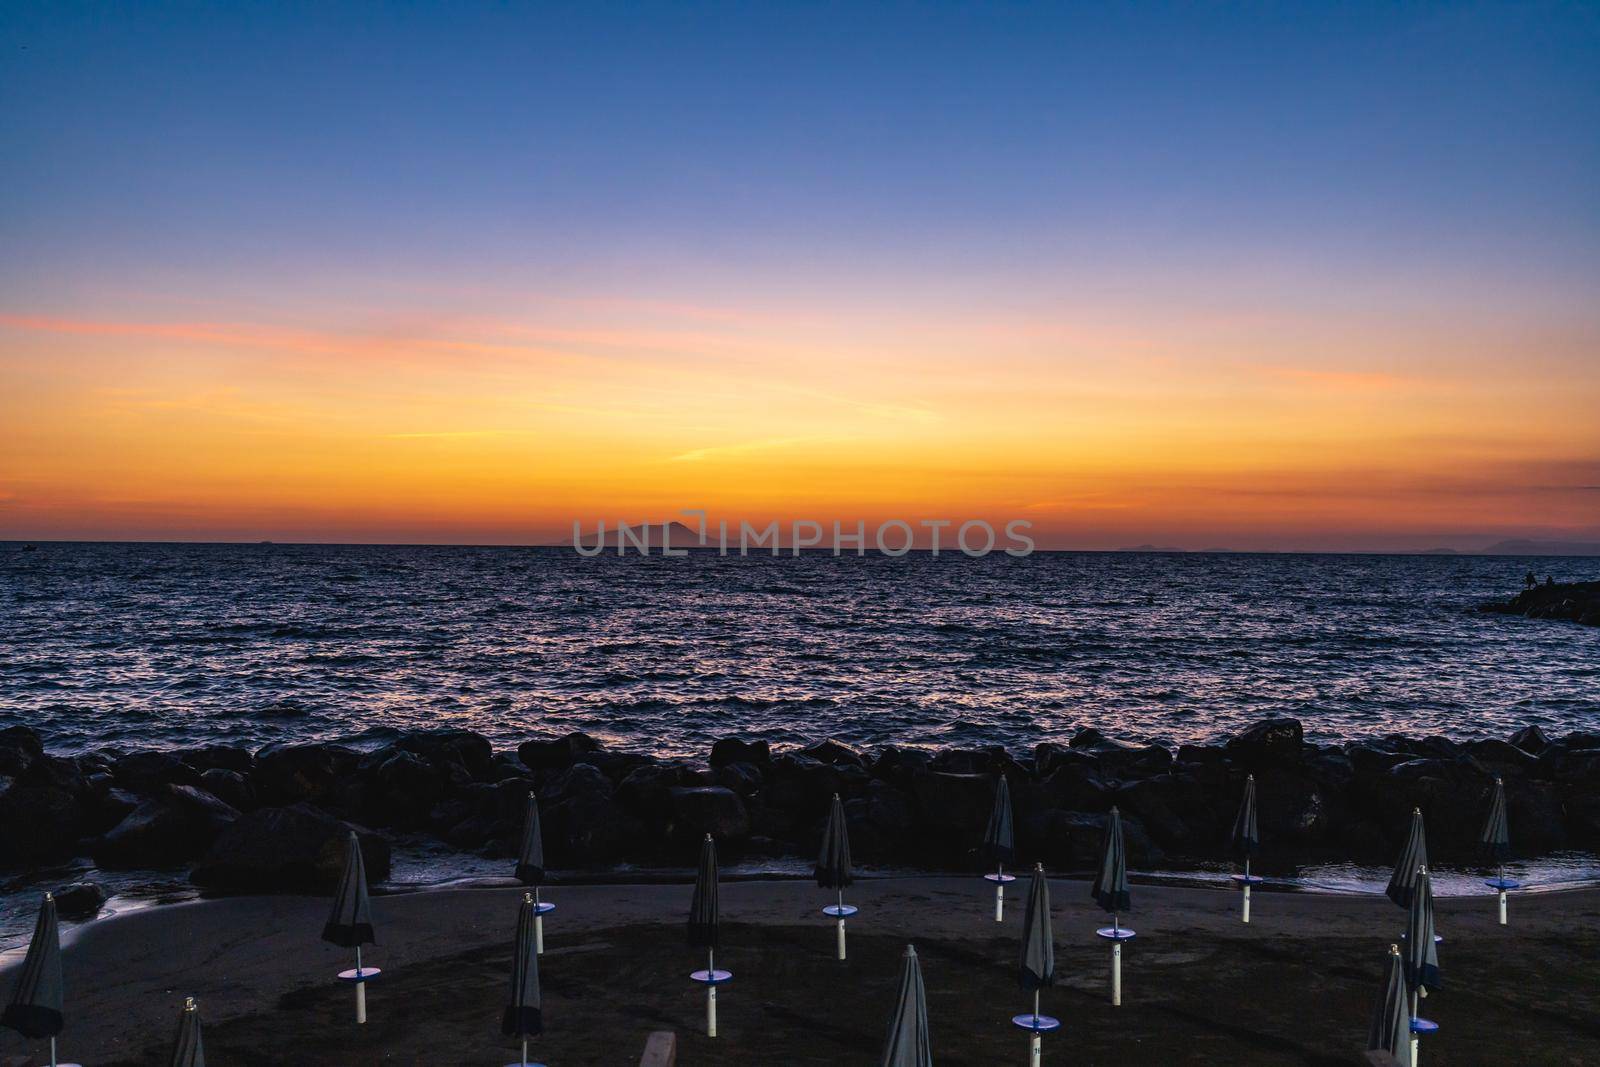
[
  {"x": 524, "y": 1052},
  {"x": 1116, "y": 962},
  {"x": 711, "y": 993},
  {"x": 1247, "y": 889},
  {"x": 361, "y": 991},
  {"x": 1416, "y": 1041},
  {"x": 1036, "y": 1045},
  {"x": 999, "y": 893},
  {"x": 1502, "y": 894},
  {"x": 538, "y": 925},
  {"x": 52, "y": 1052},
  {"x": 841, "y": 924}
]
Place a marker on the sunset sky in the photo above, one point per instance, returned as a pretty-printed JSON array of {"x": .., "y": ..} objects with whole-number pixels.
[{"x": 1287, "y": 276}]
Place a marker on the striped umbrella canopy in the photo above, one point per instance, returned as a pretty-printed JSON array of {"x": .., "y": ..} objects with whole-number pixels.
[
  {"x": 522, "y": 1016},
  {"x": 907, "y": 1044},
  {"x": 36, "y": 1009},
  {"x": 1246, "y": 837},
  {"x": 1391, "y": 1017},
  {"x": 1421, "y": 956},
  {"x": 703, "y": 908},
  {"x": 1413, "y": 857},
  {"x": 833, "y": 863},
  {"x": 999, "y": 840},
  {"x": 1110, "y": 889},
  {"x": 350, "y": 924},
  {"x": 530, "y": 861},
  {"x": 1038, "y": 939},
  {"x": 187, "y": 1048},
  {"x": 1496, "y": 836}
]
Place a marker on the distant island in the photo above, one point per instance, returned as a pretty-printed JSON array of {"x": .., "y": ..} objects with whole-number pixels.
[{"x": 1569, "y": 601}]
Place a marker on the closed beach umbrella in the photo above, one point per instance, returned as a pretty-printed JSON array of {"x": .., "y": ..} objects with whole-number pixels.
[
  {"x": 833, "y": 866},
  {"x": 350, "y": 924},
  {"x": 1110, "y": 891},
  {"x": 530, "y": 868},
  {"x": 1496, "y": 838},
  {"x": 1038, "y": 963},
  {"x": 187, "y": 1048},
  {"x": 703, "y": 907},
  {"x": 1421, "y": 955},
  {"x": 704, "y": 932},
  {"x": 35, "y": 1010},
  {"x": 530, "y": 861},
  {"x": 1000, "y": 844},
  {"x": 1413, "y": 857},
  {"x": 907, "y": 1044},
  {"x": 522, "y": 1017},
  {"x": 1391, "y": 1017},
  {"x": 1247, "y": 839}
]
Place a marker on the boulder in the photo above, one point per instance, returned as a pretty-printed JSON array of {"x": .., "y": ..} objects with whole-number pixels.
[
  {"x": 1499, "y": 757},
  {"x": 1072, "y": 840},
  {"x": 171, "y": 827},
  {"x": 286, "y": 848},
  {"x": 227, "y": 757},
  {"x": 466, "y": 749},
  {"x": 1271, "y": 743},
  {"x": 558, "y": 753},
  {"x": 737, "y": 750},
  {"x": 230, "y": 787},
  {"x": 834, "y": 754},
  {"x": 898, "y": 765},
  {"x": 1530, "y": 739},
  {"x": 108, "y": 809},
  {"x": 954, "y": 806},
  {"x": 147, "y": 773},
  {"x": 290, "y": 774},
  {"x": 743, "y": 778},
  {"x": 56, "y": 773},
  {"x": 714, "y": 810},
  {"x": 801, "y": 786},
  {"x": 19, "y": 747},
  {"x": 80, "y": 900},
  {"x": 37, "y": 824}
]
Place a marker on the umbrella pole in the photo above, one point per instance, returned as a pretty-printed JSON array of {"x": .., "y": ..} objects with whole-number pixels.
[
  {"x": 538, "y": 925},
  {"x": 524, "y": 1052},
  {"x": 52, "y": 1052},
  {"x": 999, "y": 892},
  {"x": 1502, "y": 894},
  {"x": 841, "y": 924},
  {"x": 361, "y": 991},
  {"x": 1116, "y": 962},
  {"x": 1247, "y": 889},
  {"x": 1416, "y": 1042},
  {"x": 711, "y": 993},
  {"x": 1036, "y": 1042}
]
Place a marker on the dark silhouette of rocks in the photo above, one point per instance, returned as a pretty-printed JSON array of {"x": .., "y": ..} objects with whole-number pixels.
[
  {"x": 277, "y": 819},
  {"x": 1570, "y": 601}
]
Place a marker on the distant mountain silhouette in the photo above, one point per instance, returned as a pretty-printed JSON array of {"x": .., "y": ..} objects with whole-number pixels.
[
  {"x": 1522, "y": 547},
  {"x": 653, "y": 534}
]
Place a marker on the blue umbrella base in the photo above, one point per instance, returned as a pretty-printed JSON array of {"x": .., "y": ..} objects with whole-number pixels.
[
  {"x": 1247, "y": 879},
  {"x": 365, "y": 974},
  {"x": 1038, "y": 1024},
  {"x": 1503, "y": 884},
  {"x": 1115, "y": 933},
  {"x": 1438, "y": 939},
  {"x": 542, "y": 908},
  {"x": 716, "y": 977},
  {"x": 1000, "y": 879},
  {"x": 840, "y": 911},
  {"x": 519, "y": 1063},
  {"x": 1423, "y": 1026}
]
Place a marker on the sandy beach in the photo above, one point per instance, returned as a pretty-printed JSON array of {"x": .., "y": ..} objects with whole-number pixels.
[{"x": 1295, "y": 986}]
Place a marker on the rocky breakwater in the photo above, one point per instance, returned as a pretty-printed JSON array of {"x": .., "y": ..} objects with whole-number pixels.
[
  {"x": 1569, "y": 601},
  {"x": 277, "y": 818}
]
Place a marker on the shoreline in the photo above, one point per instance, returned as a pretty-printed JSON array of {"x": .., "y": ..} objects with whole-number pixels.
[{"x": 611, "y": 973}]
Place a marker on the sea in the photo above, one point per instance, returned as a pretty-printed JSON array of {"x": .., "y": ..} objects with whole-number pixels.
[{"x": 142, "y": 645}]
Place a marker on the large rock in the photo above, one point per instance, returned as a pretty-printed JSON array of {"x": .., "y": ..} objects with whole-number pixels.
[
  {"x": 955, "y": 806},
  {"x": 834, "y": 754},
  {"x": 403, "y": 788},
  {"x": 1530, "y": 739},
  {"x": 737, "y": 750},
  {"x": 1072, "y": 840},
  {"x": 290, "y": 774},
  {"x": 148, "y": 772},
  {"x": 19, "y": 747},
  {"x": 230, "y": 787},
  {"x": 466, "y": 749},
  {"x": 167, "y": 829},
  {"x": 557, "y": 754},
  {"x": 701, "y": 810},
  {"x": 296, "y": 847},
  {"x": 226, "y": 757},
  {"x": 37, "y": 824},
  {"x": 1271, "y": 743},
  {"x": 80, "y": 900}
]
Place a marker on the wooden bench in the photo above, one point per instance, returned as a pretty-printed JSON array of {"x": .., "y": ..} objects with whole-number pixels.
[{"x": 660, "y": 1050}]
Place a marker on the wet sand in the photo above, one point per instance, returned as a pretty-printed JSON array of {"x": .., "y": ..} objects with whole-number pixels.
[{"x": 1296, "y": 986}]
